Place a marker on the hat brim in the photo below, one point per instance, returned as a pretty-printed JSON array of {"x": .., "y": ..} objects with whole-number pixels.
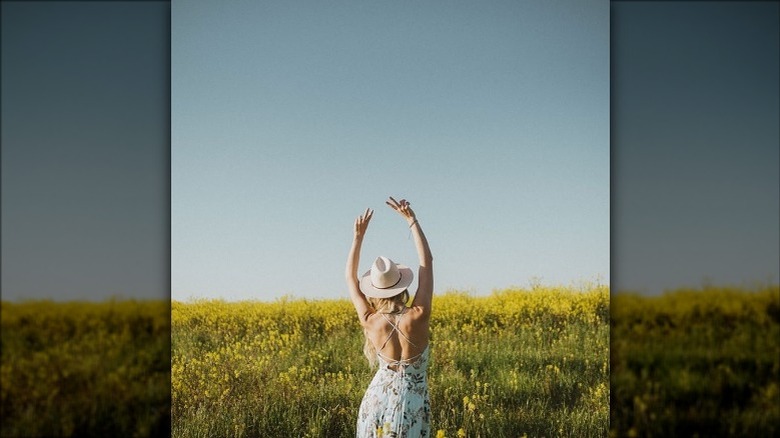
[{"x": 370, "y": 291}]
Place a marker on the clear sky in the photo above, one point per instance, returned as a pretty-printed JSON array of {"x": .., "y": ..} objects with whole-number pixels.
[
  {"x": 85, "y": 161},
  {"x": 290, "y": 118},
  {"x": 695, "y": 144}
]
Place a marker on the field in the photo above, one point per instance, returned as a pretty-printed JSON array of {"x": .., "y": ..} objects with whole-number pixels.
[
  {"x": 696, "y": 363},
  {"x": 85, "y": 369},
  {"x": 517, "y": 363}
]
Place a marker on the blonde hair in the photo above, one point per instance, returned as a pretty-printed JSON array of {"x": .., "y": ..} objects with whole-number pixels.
[{"x": 392, "y": 305}]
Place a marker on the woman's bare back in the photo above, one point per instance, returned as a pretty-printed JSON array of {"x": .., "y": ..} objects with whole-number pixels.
[{"x": 399, "y": 337}]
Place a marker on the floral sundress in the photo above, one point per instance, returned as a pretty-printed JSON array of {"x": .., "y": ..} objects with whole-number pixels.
[{"x": 396, "y": 403}]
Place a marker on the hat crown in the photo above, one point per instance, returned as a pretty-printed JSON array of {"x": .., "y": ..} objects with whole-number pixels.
[
  {"x": 384, "y": 273},
  {"x": 385, "y": 279}
]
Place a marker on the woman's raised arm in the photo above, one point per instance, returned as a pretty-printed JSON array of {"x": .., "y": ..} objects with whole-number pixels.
[
  {"x": 424, "y": 295},
  {"x": 353, "y": 260}
]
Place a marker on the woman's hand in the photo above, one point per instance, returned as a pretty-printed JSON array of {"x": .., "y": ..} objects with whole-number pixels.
[
  {"x": 403, "y": 208},
  {"x": 424, "y": 295},
  {"x": 361, "y": 223},
  {"x": 353, "y": 259}
]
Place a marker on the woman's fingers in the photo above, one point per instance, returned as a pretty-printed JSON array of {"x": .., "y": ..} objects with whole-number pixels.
[
  {"x": 361, "y": 223},
  {"x": 402, "y": 206},
  {"x": 364, "y": 218},
  {"x": 395, "y": 205}
]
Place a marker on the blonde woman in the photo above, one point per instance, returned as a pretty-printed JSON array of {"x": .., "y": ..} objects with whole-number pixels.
[{"x": 396, "y": 402}]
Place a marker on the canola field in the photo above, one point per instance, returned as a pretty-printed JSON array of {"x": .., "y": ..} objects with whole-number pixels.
[
  {"x": 85, "y": 369},
  {"x": 517, "y": 363},
  {"x": 702, "y": 362}
]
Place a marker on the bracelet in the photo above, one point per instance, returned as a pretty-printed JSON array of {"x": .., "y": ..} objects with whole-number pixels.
[{"x": 412, "y": 224}]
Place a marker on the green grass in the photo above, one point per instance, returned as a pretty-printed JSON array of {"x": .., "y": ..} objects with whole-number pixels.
[
  {"x": 518, "y": 362},
  {"x": 690, "y": 363},
  {"x": 696, "y": 363},
  {"x": 85, "y": 369}
]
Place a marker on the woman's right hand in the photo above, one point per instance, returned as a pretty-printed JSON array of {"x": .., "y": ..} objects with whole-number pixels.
[
  {"x": 361, "y": 223},
  {"x": 403, "y": 208}
]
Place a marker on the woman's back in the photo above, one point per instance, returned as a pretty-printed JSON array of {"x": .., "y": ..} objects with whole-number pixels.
[
  {"x": 396, "y": 401},
  {"x": 399, "y": 337}
]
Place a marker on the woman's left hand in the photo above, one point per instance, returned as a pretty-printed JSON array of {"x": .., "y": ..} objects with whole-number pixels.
[
  {"x": 361, "y": 223},
  {"x": 403, "y": 207}
]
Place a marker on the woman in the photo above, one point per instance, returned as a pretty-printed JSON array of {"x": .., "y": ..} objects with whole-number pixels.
[{"x": 396, "y": 402}]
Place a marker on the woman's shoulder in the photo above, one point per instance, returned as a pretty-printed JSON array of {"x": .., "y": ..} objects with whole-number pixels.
[
  {"x": 371, "y": 320},
  {"x": 418, "y": 312}
]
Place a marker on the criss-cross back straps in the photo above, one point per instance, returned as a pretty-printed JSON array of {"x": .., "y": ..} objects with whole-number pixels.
[
  {"x": 395, "y": 329},
  {"x": 404, "y": 362}
]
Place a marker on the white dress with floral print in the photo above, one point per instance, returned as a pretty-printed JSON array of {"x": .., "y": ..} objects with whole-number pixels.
[{"x": 396, "y": 403}]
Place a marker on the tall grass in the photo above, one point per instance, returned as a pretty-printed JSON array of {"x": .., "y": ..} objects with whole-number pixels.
[
  {"x": 85, "y": 369},
  {"x": 696, "y": 363},
  {"x": 519, "y": 362}
]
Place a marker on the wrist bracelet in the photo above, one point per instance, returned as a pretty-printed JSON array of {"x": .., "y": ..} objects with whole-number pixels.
[{"x": 412, "y": 224}]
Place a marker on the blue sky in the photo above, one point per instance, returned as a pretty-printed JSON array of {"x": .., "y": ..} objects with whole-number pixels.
[
  {"x": 85, "y": 133},
  {"x": 696, "y": 144},
  {"x": 289, "y": 119}
]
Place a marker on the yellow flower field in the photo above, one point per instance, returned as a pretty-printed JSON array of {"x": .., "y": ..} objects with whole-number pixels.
[
  {"x": 518, "y": 363},
  {"x": 533, "y": 362},
  {"x": 696, "y": 363},
  {"x": 85, "y": 369}
]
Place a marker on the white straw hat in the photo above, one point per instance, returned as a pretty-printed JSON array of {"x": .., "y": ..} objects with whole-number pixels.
[{"x": 385, "y": 279}]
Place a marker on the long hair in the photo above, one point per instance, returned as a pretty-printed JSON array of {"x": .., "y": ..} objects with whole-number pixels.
[{"x": 392, "y": 305}]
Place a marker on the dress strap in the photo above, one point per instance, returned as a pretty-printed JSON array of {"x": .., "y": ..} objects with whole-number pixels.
[
  {"x": 395, "y": 329},
  {"x": 392, "y": 361}
]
